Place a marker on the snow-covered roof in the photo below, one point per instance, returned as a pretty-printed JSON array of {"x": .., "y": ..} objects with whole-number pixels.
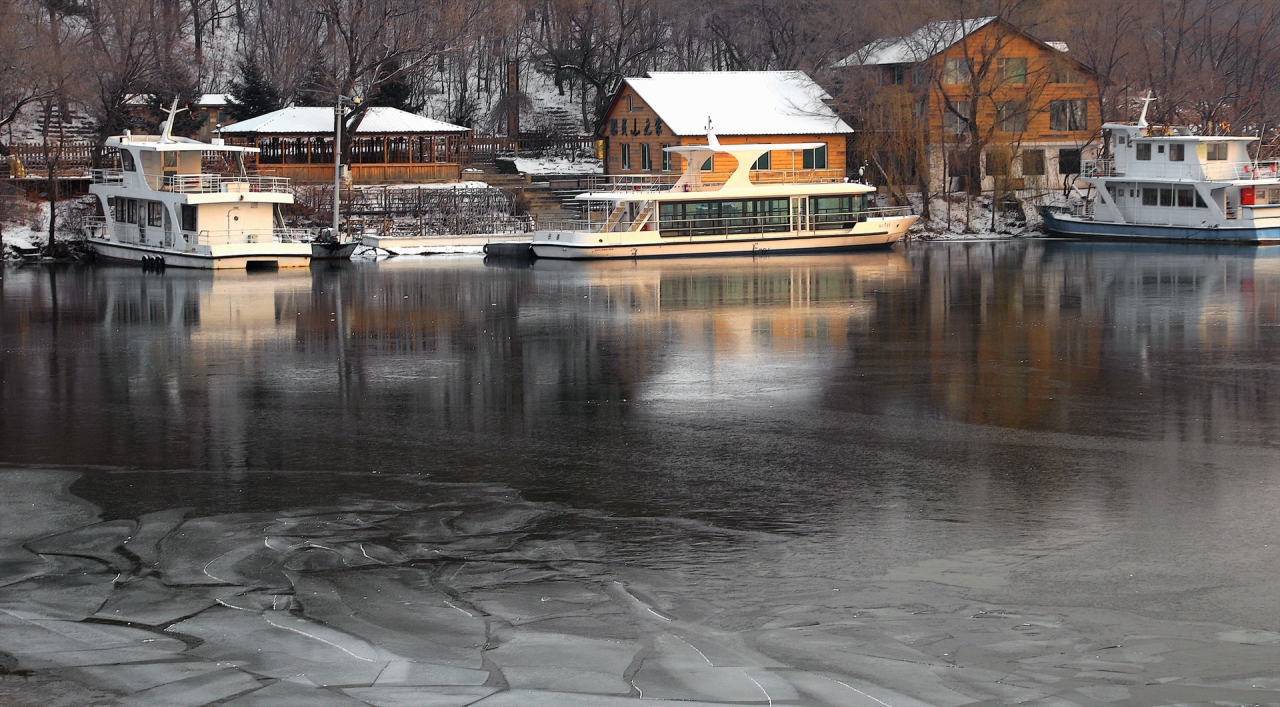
[
  {"x": 300, "y": 120},
  {"x": 739, "y": 102},
  {"x": 213, "y": 99},
  {"x": 928, "y": 41}
]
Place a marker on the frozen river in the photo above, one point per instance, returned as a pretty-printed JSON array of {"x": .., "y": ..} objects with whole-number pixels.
[{"x": 1025, "y": 472}]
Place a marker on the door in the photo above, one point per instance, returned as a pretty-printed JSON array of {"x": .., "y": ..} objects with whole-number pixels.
[{"x": 799, "y": 213}]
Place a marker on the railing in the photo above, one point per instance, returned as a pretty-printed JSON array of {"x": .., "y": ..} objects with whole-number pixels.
[
  {"x": 774, "y": 223},
  {"x": 1099, "y": 168},
  {"x": 95, "y": 227},
  {"x": 216, "y": 183},
  {"x": 1185, "y": 171},
  {"x": 112, "y": 177},
  {"x": 277, "y": 235}
]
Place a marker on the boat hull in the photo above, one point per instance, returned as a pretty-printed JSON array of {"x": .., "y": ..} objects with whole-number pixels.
[
  {"x": 887, "y": 232},
  {"x": 281, "y": 255},
  {"x": 1067, "y": 226},
  {"x": 333, "y": 251}
]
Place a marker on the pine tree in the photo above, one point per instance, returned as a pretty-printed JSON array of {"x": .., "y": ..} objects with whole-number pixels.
[{"x": 252, "y": 95}]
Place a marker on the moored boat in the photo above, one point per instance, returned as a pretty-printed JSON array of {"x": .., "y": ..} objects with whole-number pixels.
[
  {"x": 633, "y": 217},
  {"x": 1167, "y": 183},
  {"x": 160, "y": 207}
]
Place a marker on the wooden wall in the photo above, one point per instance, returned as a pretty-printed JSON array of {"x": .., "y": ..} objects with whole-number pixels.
[
  {"x": 631, "y": 122},
  {"x": 1000, "y": 41},
  {"x": 390, "y": 173}
]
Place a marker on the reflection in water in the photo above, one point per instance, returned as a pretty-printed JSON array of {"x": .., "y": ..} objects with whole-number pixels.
[{"x": 941, "y": 432}]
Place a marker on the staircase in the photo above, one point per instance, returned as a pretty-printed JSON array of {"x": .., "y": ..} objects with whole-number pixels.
[
  {"x": 535, "y": 198},
  {"x": 643, "y": 217}
]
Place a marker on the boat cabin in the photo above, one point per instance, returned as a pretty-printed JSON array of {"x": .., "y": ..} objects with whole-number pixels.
[{"x": 1167, "y": 175}]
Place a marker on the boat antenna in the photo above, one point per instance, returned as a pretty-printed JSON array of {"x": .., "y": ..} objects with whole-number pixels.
[
  {"x": 711, "y": 135},
  {"x": 1146, "y": 103},
  {"x": 173, "y": 111}
]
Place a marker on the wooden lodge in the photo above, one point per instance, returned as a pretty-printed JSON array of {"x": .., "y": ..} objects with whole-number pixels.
[
  {"x": 1025, "y": 103},
  {"x": 389, "y": 146},
  {"x": 672, "y": 108}
]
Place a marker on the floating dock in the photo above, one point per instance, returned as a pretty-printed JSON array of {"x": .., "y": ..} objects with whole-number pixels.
[{"x": 446, "y": 243}]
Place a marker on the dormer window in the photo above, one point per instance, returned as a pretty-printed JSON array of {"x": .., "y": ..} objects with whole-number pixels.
[
  {"x": 1144, "y": 151},
  {"x": 1216, "y": 151},
  {"x": 1177, "y": 152}
]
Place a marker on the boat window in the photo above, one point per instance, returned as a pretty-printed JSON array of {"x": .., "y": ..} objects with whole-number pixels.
[
  {"x": 1166, "y": 196},
  {"x": 126, "y": 161},
  {"x": 1200, "y": 201},
  {"x": 1186, "y": 197},
  {"x": 816, "y": 158},
  {"x": 626, "y": 156},
  {"x": 1177, "y": 152},
  {"x": 1160, "y": 149},
  {"x": 831, "y": 212},
  {"x": 188, "y": 213},
  {"x": 1150, "y": 196},
  {"x": 701, "y": 218},
  {"x": 170, "y": 160},
  {"x": 1217, "y": 151},
  {"x": 1144, "y": 151},
  {"x": 1273, "y": 196},
  {"x": 155, "y": 213},
  {"x": 762, "y": 162},
  {"x": 709, "y": 165},
  {"x": 118, "y": 210}
]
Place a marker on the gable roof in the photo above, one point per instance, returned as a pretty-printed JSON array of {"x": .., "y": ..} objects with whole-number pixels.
[
  {"x": 928, "y": 41},
  {"x": 306, "y": 120},
  {"x": 739, "y": 102}
]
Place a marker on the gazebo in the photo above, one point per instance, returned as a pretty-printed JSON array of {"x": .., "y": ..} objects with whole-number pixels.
[{"x": 389, "y": 145}]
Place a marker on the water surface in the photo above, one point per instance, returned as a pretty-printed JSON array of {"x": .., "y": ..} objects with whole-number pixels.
[{"x": 837, "y": 466}]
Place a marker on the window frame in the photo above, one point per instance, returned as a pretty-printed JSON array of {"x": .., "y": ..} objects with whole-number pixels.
[
  {"x": 646, "y": 161},
  {"x": 666, "y": 158},
  {"x": 814, "y": 158},
  {"x": 1144, "y": 151},
  {"x": 957, "y": 71},
  {"x": 624, "y": 156},
  {"x": 1003, "y": 66},
  {"x": 763, "y": 162},
  {"x": 1027, "y": 158}
]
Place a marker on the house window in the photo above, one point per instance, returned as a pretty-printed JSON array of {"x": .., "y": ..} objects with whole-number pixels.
[
  {"x": 1144, "y": 151},
  {"x": 188, "y": 214},
  {"x": 626, "y": 155},
  {"x": 1217, "y": 151},
  {"x": 919, "y": 76},
  {"x": 1068, "y": 115},
  {"x": 155, "y": 213},
  {"x": 895, "y": 75},
  {"x": 631, "y": 106},
  {"x": 955, "y": 117},
  {"x": 646, "y": 163},
  {"x": 1060, "y": 72},
  {"x": 1012, "y": 69},
  {"x": 666, "y": 158},
  {"x": 998, "y": 162},
  {"x": 1068, "y": 162},
  {"x": 956, "y": 71},
  {"x": 1012, "y": 116},
  {"x": 1033, "y": 163},
  {"x": 1177, "y": 152},
  {"x": 762, "y": 162},
  {"x": 816, "y": 158}
]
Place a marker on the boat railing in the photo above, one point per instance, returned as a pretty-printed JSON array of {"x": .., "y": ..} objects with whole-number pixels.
[
  {"x": 761, "y": 223},
  {"x": 95, "y": 227},
  {"x": 275, "y": 235},
  {"x": 631, "y": 182},
  {"x": 1099, "y": 168},
  {"x": 114, "y": 177},
  {"x": 1082, "y": 209},
  {"x": 216, "y": 183}
]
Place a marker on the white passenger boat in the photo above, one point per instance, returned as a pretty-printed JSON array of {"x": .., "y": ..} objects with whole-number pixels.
[
  {"x": 1166, "y": 183},
  {"x": 640, "y": 217},
  {"x": 160, "y": 208}
]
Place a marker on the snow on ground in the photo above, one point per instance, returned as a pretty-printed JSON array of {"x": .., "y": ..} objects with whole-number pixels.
[
  {"x": 557, "y": 165},
  {"x": 967, "y": 219}
]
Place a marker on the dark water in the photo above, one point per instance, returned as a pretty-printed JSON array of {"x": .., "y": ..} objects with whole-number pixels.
[{"x": 1099, "y": 423}]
